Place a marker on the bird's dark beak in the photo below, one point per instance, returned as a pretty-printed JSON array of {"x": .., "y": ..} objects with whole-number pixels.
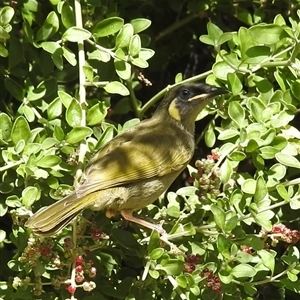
[{"x": 212, "y": 91}]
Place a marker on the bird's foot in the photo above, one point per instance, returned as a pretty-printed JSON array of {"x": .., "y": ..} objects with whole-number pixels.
[{"x": 127, "y": 215}]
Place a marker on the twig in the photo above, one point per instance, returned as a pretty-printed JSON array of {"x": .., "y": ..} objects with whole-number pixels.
[{"x": 159, "y": 95}]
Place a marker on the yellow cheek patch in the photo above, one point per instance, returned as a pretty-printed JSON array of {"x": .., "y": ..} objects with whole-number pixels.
[{"x": 174, "y": 112}]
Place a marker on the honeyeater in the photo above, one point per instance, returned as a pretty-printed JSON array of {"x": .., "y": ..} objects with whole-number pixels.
[{"x": 137, "y": 166}]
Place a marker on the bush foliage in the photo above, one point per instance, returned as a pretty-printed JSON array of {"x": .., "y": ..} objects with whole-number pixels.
[{"x": 74, "y": 75}]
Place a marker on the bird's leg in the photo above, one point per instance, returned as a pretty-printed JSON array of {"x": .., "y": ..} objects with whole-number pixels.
[
  {"x": 110, "y": 213},
  {"x": 127, "y": 215}
]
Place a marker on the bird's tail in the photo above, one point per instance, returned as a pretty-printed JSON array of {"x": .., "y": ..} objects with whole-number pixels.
[{"x": 49, "y": 220}]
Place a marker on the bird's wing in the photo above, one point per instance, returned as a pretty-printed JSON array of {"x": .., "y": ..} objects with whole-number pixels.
[{"x": 135, "y": 157}]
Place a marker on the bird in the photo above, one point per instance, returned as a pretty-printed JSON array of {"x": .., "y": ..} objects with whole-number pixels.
[{"x": 133, "y": 169}]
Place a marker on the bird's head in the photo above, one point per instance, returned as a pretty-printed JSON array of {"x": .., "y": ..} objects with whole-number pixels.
[{"x": 183, "y": 103}]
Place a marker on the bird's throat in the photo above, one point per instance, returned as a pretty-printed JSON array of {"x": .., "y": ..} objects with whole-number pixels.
[{"x": 174, "y": 111}]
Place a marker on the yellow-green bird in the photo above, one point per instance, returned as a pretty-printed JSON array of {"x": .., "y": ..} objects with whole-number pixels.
[{"x": 136, "y": 167}]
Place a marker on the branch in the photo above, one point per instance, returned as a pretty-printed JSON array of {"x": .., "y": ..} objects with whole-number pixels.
[{"x": 159, "y": 95}]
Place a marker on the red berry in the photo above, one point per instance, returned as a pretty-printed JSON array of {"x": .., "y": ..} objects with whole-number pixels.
[
  {"x": 193, "y": 259},
  {"x": 71, "y": 289},
  {"x": 189, "y": 268},
  {"x": 79, "y": 268},
  {"x": 79, "y": 259},
  {"x": 215, "y": 156},
  {"x": 191, "y": 179},
  {"x": 79, "y": 278},
  {"x": 206, "y": 273},
  {"x": 93, "y": 272}
]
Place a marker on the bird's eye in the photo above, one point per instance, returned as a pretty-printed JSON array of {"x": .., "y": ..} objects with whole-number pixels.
[{"x": 185, "y": 94}]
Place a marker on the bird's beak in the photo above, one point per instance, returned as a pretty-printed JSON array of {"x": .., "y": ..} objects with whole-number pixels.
[{"x": 213, "y": 91}]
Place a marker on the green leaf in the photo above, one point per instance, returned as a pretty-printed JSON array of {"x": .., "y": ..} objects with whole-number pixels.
[
  {"x": 226, "y": 36},
  {"x": 76, "y": 34},
  {"x": 221, "y": 70},
  {"x": 124, "y": 36},
  {"x": 206, "y": 39},
  {"x": 54, "y": 109},
  {"x": 96, "y": 113},
  {"x": 69, "y": 56},
  {"x": 88, "y": 72},
  {"x": 244, "y": 257},
  {"x": 77, "y": 134},
  {"x": 49, "y": 161},
  {"x": 5, "y": 127},
  {"x": 124, "y": 238},
  {"x": 219, "y": 215},
  {"x": 235, "y": 84},
  {"x": 257, "y": 54},
  {"x": 116, "y": 87},
  {"x": 20, "y": 146},
  {"x": 50, "y": 27},
  {"x": 283, "y": 193},
  {"x": 228, "y": 134},
  {"x": 268, "y": 152},
  {"x": 67, "y": 15},
  {"x": 236, "y": 113},
  {"x": 268, "y": 258},
  {"x": 266, "y": 34},
  {"x": 3, "y": 34},
  {"x": 20, "y": 130},
  {"x": 2, "y": 237},
  {"x": 123, "y": 69},
  {"x": 58, "y": 133},
  {"x": 223, "y": 244},
  {"x": 74, "y": 113},
  {"x": 30, "y": 195},
  {"x": 50, "y": 47},
  {"x": 16, "y": 53},
  {"x": 14, "y": 88},
  {"x": 65, "y": 98},
  {"x": 249, "y": 186},
  {"x": 214, "y": 32},
  {"x": 287, "y": 160},
  {"x": 140, "y": 24},
  {"x": 231, "y": 223},
  {"x": 237, "y": 156},
  {"x": 108, "y": 26},
  {"x": 146, "y": 53},
  {"x": 156, "y": 253},
  {"x": 250, "y": 289},
  {"x": 263, "y": 218},
  {"x": 139, "y": 62},
  {"x": 171, "y": 267},
  {"x": 154, "y": 274},
  {"x": 6, "y": 15},
  {"x": 243, "y": 271},
  {"x": 226, "y": 171},
  {"x": 261, "y": 190},
  {"x": 210, "y": 138},
  {"x": 31, "y": 148},
  {"x": 135, "y": 45},
  {"x": 154, "y": 241},
  {"x": 3, "y": 50}
]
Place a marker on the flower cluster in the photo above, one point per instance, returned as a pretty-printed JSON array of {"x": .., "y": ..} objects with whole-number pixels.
[
  {"x": 282, "y": 233},
  {"x": 191, "y": 261},
  {"x": 213, "y": 281},
  {"x": 39, "y": 250},
  {"x": 206, "y": 178},
  {"x": 82, "y": 268}
]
